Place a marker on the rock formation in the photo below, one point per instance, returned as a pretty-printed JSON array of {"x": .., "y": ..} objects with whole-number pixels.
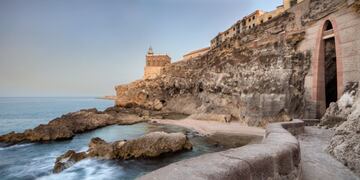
[
  {"x": 66, "y": 126},
  {"x": 255, "y": 78},
  {"x": 338, "y": 111},
  {"x": 150, "y": 145},
  {"x": 344, "y": 145}
]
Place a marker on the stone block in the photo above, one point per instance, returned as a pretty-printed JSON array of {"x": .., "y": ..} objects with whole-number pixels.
[
  {"x": 209, "y": 166},
  {"x": 280, "y": 138},
  {"x": 258, "y": 156}
]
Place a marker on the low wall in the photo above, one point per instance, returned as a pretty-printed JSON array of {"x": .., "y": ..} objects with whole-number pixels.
[{"x": 278, "y": 157}]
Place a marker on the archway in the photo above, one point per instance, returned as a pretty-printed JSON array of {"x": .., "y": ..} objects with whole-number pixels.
[{"x": 328, "y": 82}]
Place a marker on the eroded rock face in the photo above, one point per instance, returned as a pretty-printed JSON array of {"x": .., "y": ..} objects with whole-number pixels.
[
  {"x": 150, "y": 145},
  {"x": 338, "y": 111},
  {"x": 66, "y": 126},
  {"x": 345, "y": 144},
  {"x": 256, "y": 78}
]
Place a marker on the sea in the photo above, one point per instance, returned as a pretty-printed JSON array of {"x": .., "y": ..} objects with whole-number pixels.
[{"x": 36, "y": 160}]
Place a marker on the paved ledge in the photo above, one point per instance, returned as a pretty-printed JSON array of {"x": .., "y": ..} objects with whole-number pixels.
[{"x": 278, "y": 157}]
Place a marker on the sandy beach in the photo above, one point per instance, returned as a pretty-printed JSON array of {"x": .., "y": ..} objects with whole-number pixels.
[{"x": 214, "y": 127}]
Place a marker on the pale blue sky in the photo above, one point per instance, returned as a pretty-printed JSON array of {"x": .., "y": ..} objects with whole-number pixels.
[{"x": 86, "y": 47}]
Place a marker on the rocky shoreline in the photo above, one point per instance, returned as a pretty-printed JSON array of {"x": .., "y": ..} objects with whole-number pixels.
[
  {"x": 150, "y": 145},
  {"x": 68, "y": 125}
]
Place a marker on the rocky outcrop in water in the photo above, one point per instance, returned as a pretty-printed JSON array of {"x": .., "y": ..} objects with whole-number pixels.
[
  {"x": 256, "y": 78},
  {"x": 67, "y": 160},
  {"x": 344, "y": 145},
  {"x": 150, "y": 145},
  {"x": 68, "y": 125}
]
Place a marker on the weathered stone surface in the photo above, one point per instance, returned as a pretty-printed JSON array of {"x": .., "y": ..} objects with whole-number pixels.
[
  {"x": 255, "y": 78},
  {"x": 345, "y": 144},
  {"x": 278, "y": 157},
  {"x": 100, "y": 148},
  {"x": 151, "y": 145},
  {"x": 316, "y": 162},
  {"x": 338, "y": 111}
]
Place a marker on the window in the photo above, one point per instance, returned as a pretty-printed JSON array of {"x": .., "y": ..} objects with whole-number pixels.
[
  {"x": 262, "y": 21},
  {"x": 328, "y": 26},
  {"x": 270, "y": 17},
  {"x": 249, "y": 27},
  {"x": 253, "y": 17},
  {"x": 253, "y": 25}
]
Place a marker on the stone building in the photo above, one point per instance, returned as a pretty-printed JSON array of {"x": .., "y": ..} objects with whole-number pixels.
[
  {"x": 195, "y": 54},
  {"x": 250, "y": 21},
  {"x": 155, "y": 64}
]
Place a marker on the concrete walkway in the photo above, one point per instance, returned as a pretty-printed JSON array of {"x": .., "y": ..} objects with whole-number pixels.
[{"x": 317, "y": 164}]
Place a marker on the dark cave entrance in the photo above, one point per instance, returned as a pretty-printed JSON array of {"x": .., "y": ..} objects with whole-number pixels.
[{"x": 330, "y": 73}]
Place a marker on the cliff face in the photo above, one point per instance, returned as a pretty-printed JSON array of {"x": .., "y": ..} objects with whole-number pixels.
[{"x": 256, "y": 78}]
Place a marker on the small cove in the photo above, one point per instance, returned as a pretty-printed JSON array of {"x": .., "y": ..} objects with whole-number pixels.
[{"x": 36, "y": 160}]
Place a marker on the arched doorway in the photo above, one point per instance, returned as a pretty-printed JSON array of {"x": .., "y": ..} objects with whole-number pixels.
[{"x": 328, "y": 80}]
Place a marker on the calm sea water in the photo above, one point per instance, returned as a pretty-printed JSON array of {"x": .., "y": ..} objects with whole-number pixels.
[{"x": 36, "y": 160}]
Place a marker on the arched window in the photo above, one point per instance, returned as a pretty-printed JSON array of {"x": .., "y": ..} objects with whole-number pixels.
[{"x": 328, "y": 26}]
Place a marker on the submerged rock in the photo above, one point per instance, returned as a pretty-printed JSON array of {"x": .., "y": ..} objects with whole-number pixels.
[
  {"x": 66, "y": 126},
  {"x": 150, "y": 145}
]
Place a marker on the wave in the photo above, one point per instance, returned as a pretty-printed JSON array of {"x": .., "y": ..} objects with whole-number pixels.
[
  {"x": 15, "y": 146},
  {"x": 88, "y": 169}
]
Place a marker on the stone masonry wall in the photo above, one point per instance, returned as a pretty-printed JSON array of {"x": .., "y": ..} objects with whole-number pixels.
[
  {"x": 346, "y": 22},
  {"x": 278, "y": 157}
]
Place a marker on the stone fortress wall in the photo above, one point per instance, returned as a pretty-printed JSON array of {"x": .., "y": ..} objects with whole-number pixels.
[
  {"x": 155, "y": 64},
  {"x": 250, "y": 21}
]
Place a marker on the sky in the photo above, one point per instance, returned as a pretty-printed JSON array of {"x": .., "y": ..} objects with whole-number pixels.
[{"x": 87, "y": 47}]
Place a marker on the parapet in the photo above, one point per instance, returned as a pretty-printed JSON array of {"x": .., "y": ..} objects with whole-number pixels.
[{"x": 278, "y": 157}]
